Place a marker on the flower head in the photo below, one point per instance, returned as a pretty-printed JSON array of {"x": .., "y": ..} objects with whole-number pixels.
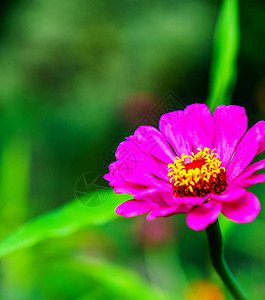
[{"x": 196, "y": 163}]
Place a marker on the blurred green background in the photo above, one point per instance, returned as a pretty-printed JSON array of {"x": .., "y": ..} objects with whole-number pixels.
[{"x": 76, "y": 77}]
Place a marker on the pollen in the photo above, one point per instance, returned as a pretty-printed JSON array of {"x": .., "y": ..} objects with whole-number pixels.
[{"x": 197, "y": 174}]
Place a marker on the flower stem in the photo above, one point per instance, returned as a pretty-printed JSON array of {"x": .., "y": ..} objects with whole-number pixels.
[{"x": 216, "y": 247}]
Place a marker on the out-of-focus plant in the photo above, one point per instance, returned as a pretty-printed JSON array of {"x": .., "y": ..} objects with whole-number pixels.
[
  {"x": 225, "y": 52},
  {"x": 73, "y": 216},
  {"x": 61, "y": 222}
]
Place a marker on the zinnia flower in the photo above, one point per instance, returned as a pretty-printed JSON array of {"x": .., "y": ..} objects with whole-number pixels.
[{"x": 196, "y": 163}]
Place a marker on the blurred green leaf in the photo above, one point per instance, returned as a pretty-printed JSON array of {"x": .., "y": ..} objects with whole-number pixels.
[
  {"x": 62, "y": 221},
  {"x": 123, "y": 282},
  {"x": 14, "y": 171},
  {"x": 250, "y": 240},
  {"x": 227, "y": 226},
  {"x": 225, "y": 51}
]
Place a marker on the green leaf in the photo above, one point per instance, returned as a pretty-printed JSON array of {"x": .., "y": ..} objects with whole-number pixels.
[
  {"x": 248, "y": 240},
  {"x": 227, "y": 226},
  {"x": 62, "y": 221},
  {"x": 121, "y": 281},
  {"x": 225, "y": 51}
]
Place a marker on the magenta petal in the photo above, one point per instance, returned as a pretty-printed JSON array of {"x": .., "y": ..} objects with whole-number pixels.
[
  {"x": 230, "y": 126},
  {"x": 130, "y": 166},
  {"x": 134, "y": 171},
  {"x": 132, "y": 208},
  {"x": 200, "y": 217},
  {"x": 254, "y": 179},
  {"x": 191, "y": 201},
  {"x": 199, "y": 125},
  {"x": 259, "y": 165},
  {"x": 137, "y": 193},
  {"x": 246, "y": 151},
  {"x": 172, "y": 126},
  {"x": 166, "y": 211},
  {"x": 262, "y": 144},
  {"x": 162, "y": 199},
  {"x": 249, "y": 181},
  {"x": 243, "y": 210},
  {"x": 150, "y": 141},
  {"x": 230, "y": 195}
]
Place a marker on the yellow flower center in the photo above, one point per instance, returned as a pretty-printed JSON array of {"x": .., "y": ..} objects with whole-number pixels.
[{"x": 197, "y": 174}]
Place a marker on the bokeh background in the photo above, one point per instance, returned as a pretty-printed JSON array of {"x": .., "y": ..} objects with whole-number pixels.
[{"x": 76, "y": 77}]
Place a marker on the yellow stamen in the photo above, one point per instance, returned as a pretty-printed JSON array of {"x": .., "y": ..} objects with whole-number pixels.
[{"x": 197, "y": 174}]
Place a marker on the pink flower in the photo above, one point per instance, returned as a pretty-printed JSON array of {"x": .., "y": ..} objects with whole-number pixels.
[{"x": 196, "y": 163}]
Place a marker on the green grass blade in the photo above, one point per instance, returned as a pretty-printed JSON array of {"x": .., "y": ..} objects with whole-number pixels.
[
  {"x": 61, "y": 222},
  {"x": 223, "y": 71}
]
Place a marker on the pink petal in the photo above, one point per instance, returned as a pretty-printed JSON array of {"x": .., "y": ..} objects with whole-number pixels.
[
  {"x": 162, "y": 199},
  {"x": 130, "y": 165},
  {"x": 172, "y": 126},
  {"x": 262, "y": 144},
  {"x": 243, "y": 210},
  {"x": 230, "y": 126},
  {"x": 133, "y": 171},
  {"x": 137, "y": 191},
  {"x": 159, "y": 184},
  {"x": 191, "y": 201},
  {"x": 132, "y": 208},
  {"x": 199, "y": 125},
  {"x": 119, "y": 171},
  {"x": 167, "y": 211},
  {"x": 249, "y": 181},
  {"x": 246, "y": 151},
  {"x": 229, "y": 195},
  {"x": 200, "y": 217},
  {"x": 259, "y": 165},
  {"x": 151, "y": 141},
  {"x": 132, "y": 160}
]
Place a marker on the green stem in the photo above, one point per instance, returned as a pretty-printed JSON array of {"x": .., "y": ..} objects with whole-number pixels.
[{"x": 215, "y": 241}]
